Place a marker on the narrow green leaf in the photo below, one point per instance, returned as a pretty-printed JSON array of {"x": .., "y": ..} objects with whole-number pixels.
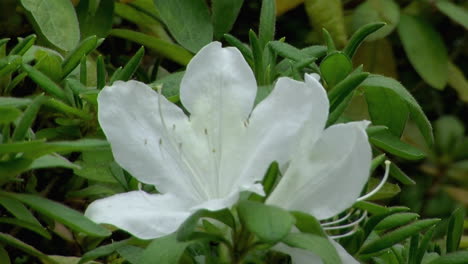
[
  {"x": 56, "y": 20},
  {"x": 61, "y": 213},
  {"x": 14, "y": 102},
  {"x": 459, "y": 257},
  {"x": 266, "y": 30},
  {"x": 425, "y": 50},
  {"x": 74, "y": 57},
  {"x": 171, "y": 51},
  {"x": 455, "y": 230},
  {"x": 395, "y": 220},
  {"x": 83, "y": 71},
  {"x": 257, "y": 52},
  {"x": 27, "y": 119},
  {"x": 102, "y": 251},
  {"x": 397, "y": 235},
  {"x": 24, "y": 45},
  {"x": 52, "y": 161},
  {"x": 166, "y": 250},
  {"x": 416, "y": 112},
  {"x": 12, "y": 63},
  {"x": 8, "y": 114},
  {"x": 269, "y": 223},
  {"x": 331, "y": 48},
  {"x": 132, "y": 65},
  {"x": 316, "y": 244},
  {"x": 335, "y": 67},
  {"x": 61, "y": 107},
  {"x": 423, "y": 245},
  {"x": 393, "y": 145},
  {"x": 286, "y": 50},
  {"x": 372, "y": 208},
  {"x": 377, "y": 161},
  {"x": 457, "y": 80},
  {"x": 45, "y": 82},
  {"x": 400, "y": 175},
  {"x": 224, "y": 14},
  {"x": 28, "y": 249},
  {"x": 100, "y": 73},
  {"x": 38, "y": 229},
  {"x": 4, "y": 258},
  {"x": 11, "y": 168},
  {"x": 344, "y": 88},
  {"x": 358, "y": 37},
  {"x": 189, "y": 21},
  {"x": 456, "y": 13},
  {"x": 244, "y": 49}
]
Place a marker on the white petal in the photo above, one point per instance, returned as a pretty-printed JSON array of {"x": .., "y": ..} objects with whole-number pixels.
[
  {"x": 273, "y": 129},
  {"x": 145, "y": 141},
  {"x": 218, "y": 81},
  {"x": 218, "y": 89},
  {"x": 301, "y": 256},
  {"x": 328, "y": 176},
  {"x": 143, "y": 215}
]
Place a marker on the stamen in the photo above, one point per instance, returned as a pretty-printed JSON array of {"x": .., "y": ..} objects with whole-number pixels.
[
  {"x": 381, "y": 184},
  {"x": 354, "y": 223},
  {"x": 338, "y": 220},
  {"x": 350, "y": 233}
]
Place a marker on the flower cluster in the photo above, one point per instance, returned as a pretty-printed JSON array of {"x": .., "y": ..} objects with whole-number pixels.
[{"x": 225, "y": 145}]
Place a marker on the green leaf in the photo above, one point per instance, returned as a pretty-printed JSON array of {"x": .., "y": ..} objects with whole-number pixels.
[
  {"x": 335, "y": 67},
  {"x": 8, "y": 114},
  {"x": 316, "y": 244},
  {"x": 11, "y": 168},
  {"x": 449, "y": 132},
  {"x": 61, "y": 213},
  {"x": 387, "y": 108},
  {"x": 358, "y": 37},
  {"x": 4, "y": 258},
  {"x": 456, "y": 13},
  {"x": 388, "y": 190},
  {"x": 24, "y": 45},
  {"x": 395, "y": 220},
  {"x": 416, "y": 113},
  {"x": 10, "y": 64},
  {"x": 459, "y": 257},
  {"x": 224, "y": 14},
  {"x": 188, "y": 21},
  {"x": 425, "y": 50},
  {"x": 28, "y": 249},
  {"x": 423, "y": 245},
  {"x": 38, "y": 229},
  {"x": 18, "y": 210},
  {"x": 187, "y": 229},
  {"x": 56, "y": 20},
  {"x": 27, "y": 119},
  {"x": 400, "y": 175},
  {"x": 286, "y": 50},
  {"x": 166, "y": 250},
  {"x": 45, "y": 82},
  {"x": 14, "y": 102},
  {"x": 171, "y": 51},
  {"x": 131, "y": 253},
  {"x": 132, "y": 65},
  {"x": 266, "y": 30},
  {"x": 397, "y": 235},
  {"x": 393, "y": 145},
  {"x": 344, "y": 88},
  {"x": 455, "y": 230},
  {"x": 103, "y": 251},
  {"x": 52, "y": 161},
  {"x": 457, "y": 80},
  {"x": 377, "y": 11},
  {"x": 306, "y": 223},
  {"x": 95, "y": 21},
  {"x": 73, "y": 58},
  {"x": 328, "y": 14},
  {"x": 269, "y": 223}
]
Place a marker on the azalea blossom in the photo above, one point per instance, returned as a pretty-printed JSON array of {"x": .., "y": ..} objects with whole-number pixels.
[
  {"x": 328, "y": 170},
  {"x": 205, "y": 159}
]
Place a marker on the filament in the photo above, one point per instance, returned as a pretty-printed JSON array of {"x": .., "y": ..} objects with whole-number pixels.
[
  {"x": 381, "y": 184},
  {"x": 338, "y": 220},
  {"x": 354, "y": 223}
]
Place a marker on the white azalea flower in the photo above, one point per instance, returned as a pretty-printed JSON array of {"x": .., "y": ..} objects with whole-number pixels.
[
  {"x": 206, "y": 159},
  {"x": 328, "y": 171}
]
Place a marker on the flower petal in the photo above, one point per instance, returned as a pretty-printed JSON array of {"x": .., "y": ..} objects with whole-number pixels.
[
  {"x": 273, "y": 129},
  {"x": 143, "y": 215},
  {"x": 145, "y": 141},
  {"x": 218, "y": 81},
  {"x": 326, "y": 178},
  {"x": 301, "y": 256}
]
